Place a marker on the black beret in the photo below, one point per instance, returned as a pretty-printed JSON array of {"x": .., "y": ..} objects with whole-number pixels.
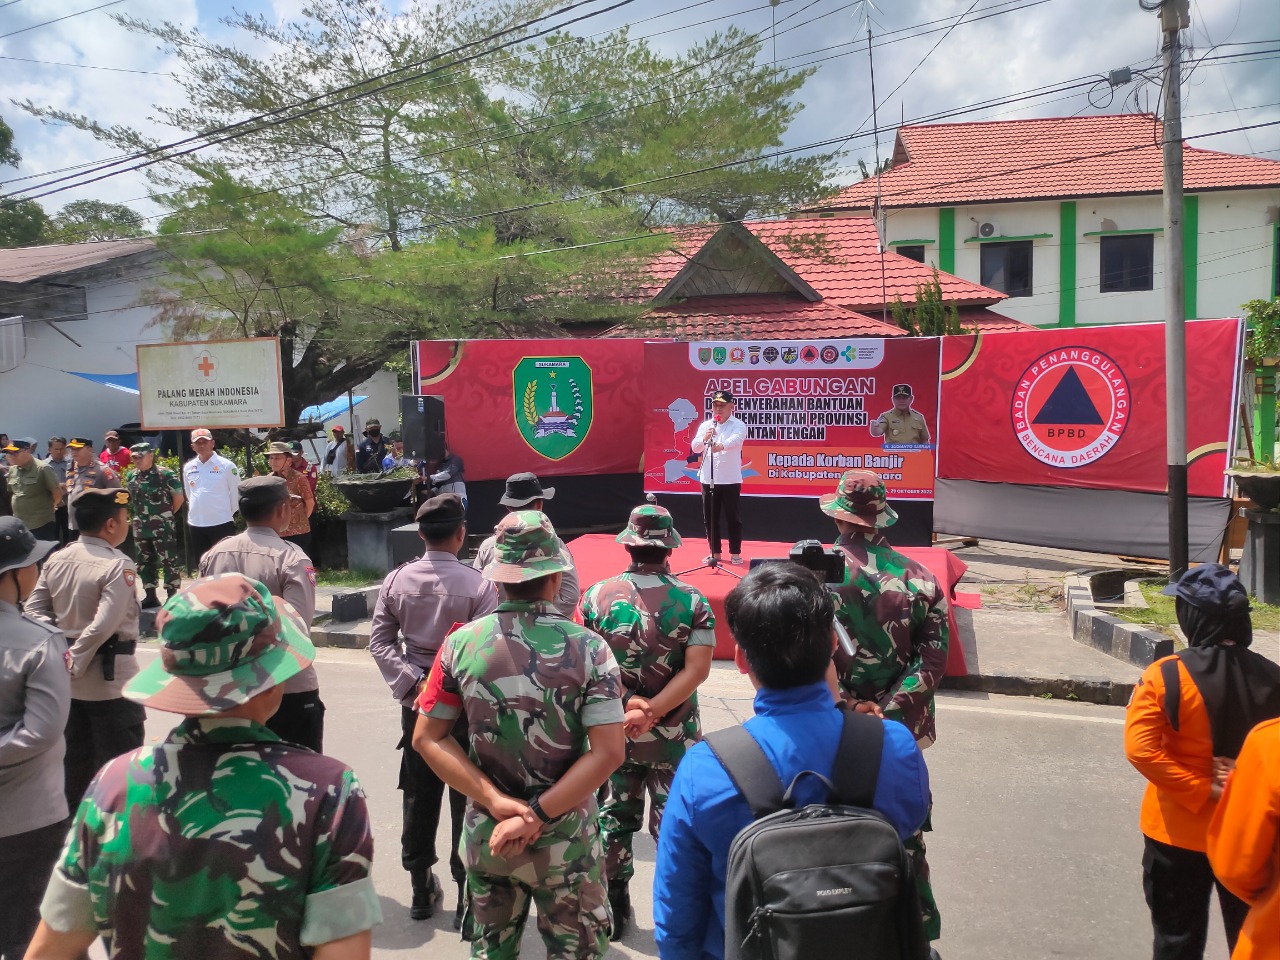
[
  {"x": 442, "y": 509},
  {"x": 263, "y": 491}
]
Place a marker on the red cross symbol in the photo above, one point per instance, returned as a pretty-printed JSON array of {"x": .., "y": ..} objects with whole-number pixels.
[{"x": 205, "y": 366}]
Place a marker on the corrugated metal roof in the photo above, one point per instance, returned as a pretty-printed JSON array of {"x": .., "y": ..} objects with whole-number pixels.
[
  {"x": 1045, "y": 158},
  {"x": 24, "y": 264}
]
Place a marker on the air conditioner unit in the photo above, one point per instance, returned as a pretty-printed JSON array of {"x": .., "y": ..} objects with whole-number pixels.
[{"x": 988, "y": 228}]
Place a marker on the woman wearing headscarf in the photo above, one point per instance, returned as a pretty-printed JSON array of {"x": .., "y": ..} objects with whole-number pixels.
[{"x": 1185, "y": 725}]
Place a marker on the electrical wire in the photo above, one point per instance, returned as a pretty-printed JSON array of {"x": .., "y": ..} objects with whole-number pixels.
[{"x": 37, "y": 26}]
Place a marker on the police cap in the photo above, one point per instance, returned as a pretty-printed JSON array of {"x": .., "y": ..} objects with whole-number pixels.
[
  {"x": 94, "y": 506},
  {"x": 263, "y": 491},
  {"x": 77, "y": 443}
]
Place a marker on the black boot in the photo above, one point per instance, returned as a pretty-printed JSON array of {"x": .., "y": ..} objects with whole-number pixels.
[
  {"x": 426, "y": 894},
  {"x": 461, "y": 908},
  {"x": 150, "y": 601},
  {"x": 620, "y": 907}
]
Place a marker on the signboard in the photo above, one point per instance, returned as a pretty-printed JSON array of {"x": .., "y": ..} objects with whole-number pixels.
[
  {"x": 553, "y": 407},
  {"x": 1085, "y": 407},
  {"x": 810, "y": 408},
  {"x": 211, "y": 383}
]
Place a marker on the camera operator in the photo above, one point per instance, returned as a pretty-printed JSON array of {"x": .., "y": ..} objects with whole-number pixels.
[{"x": 897, "y": 615}]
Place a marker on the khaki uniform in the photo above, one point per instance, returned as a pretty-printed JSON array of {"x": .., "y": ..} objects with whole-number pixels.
[
  {"x": 95, "y": 476},
  {"x": 88, "y": 590},
  {"x": 285, "y": 570},
  {"x": 909, "y": 427}
]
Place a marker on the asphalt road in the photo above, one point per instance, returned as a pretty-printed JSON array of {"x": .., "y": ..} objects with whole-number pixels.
[{"x": 1035, "y": 854}]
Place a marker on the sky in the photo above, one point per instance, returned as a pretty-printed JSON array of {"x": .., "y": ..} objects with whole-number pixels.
[{"x": 1030, "y": 44}]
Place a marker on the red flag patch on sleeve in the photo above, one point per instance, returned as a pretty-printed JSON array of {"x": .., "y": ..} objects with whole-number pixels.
[{"x": 433, "y": 691}]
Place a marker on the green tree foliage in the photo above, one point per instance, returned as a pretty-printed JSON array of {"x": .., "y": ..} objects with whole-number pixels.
[
  {"x": 1263, "y": 338},
  {"x": 83, "y": 220},
  {"x": 22, "y": 223},
  {"x": 929, "y": 316}
]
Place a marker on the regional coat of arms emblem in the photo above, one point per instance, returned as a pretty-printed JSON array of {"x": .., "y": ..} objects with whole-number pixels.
[{"x": 553, "y": 404}]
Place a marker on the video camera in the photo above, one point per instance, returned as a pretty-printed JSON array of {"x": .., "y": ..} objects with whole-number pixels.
[{"x": 829, "y": 566}]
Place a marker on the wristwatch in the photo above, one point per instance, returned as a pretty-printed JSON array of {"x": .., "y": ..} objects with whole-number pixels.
[{"x": 541, "y": 814}]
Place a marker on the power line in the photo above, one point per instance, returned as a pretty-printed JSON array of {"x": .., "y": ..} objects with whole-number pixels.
[
  {"x": 36, "y": 26},
  {"x": 347, "y": 90},
  {"x": 83, "y": 66}
]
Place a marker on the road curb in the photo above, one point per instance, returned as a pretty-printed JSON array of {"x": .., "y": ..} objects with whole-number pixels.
[
  {"x": 1100, "y": 690},
  {"x": 1094, "y": 627}
]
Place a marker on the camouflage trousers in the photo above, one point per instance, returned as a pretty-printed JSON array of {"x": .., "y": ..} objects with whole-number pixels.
[
  {"x": 573, "y": 918},
  {"x": 622, "y": 813},
  {"x": 928, "y": 905},
  {"x": 157, "y": 553}
]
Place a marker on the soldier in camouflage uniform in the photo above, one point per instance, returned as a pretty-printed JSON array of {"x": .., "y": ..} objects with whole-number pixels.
[
  {"x": 662, "y": 633},
  {"x": 543, "y": 702},
  {"x": 157, "y": 497},
  {"x": 222, "y": 841},
  {"x": 896, "y": 614}
]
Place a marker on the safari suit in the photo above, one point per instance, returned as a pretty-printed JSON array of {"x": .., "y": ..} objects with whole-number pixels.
[
  {"x": 909, "y": 427},
  {"x": 649, "y": 619},
  {"x": 531, "y": 683},
  {"x": 88, "y": 590}
]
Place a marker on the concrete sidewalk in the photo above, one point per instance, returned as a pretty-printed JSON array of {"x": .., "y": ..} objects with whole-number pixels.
[{"x": 1017, "y": 643}]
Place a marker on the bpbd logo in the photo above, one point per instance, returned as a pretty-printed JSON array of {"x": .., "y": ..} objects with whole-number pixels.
[
  {"x": 1071, "y": 407},
  {"x": 809, "y": 353}
]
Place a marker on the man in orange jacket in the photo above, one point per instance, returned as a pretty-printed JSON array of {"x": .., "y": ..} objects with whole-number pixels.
[
  {"x": 1188, "y": 718},
  {"x": 1243, "y": 839}
]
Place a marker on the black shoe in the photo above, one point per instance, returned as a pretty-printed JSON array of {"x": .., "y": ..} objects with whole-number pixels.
[
  {"x": 150, "y": 601},
  {"x": 426, "y": 895},
  {"x": 461, "y": 908},
  {"x": 620, "y": 907},
  {"x": 933, "y": 954}
]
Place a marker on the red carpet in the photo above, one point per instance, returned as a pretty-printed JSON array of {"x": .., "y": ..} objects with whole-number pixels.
[{"x": 598, "y": 557}]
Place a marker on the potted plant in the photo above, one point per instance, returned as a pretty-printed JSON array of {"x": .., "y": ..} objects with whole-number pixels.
[
  {"x": 377, "y": 492},
  {"x": 1259, "y": 480}
]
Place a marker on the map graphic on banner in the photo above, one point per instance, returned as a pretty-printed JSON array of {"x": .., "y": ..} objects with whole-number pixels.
[
  {"x": 1086, "y": 407},
  {"x": 810, "y": 408}
]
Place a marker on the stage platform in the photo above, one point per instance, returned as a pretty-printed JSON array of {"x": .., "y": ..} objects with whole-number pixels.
[{"x": 599, "y": 556}]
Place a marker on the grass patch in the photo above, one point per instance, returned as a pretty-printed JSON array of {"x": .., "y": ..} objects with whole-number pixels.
[
  {"x": 347, "y": 578},
  {"x": 1160, "y": 612}
]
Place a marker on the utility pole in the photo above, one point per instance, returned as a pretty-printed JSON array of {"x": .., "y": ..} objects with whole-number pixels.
[{"x": 1175, "y": 15}]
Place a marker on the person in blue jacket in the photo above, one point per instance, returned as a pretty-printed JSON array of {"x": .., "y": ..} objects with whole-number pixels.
[{"x": 781, "y": 618}]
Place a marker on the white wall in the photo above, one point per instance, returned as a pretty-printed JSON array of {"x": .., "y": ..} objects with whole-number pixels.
[
  {"x": 1237, "y": 250},
  {"x": 38, "y": 399}
]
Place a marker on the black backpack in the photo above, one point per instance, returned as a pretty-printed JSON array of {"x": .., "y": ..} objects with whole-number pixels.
[{"x": 829, "y": 880}]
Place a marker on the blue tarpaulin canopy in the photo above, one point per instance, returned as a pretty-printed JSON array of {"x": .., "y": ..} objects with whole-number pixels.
[
  {"x": 324, "y": 412},
  {"x": 124, "y": 382}
]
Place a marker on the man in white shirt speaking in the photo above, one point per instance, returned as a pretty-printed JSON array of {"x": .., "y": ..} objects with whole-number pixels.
[
  {"x": 719, "y": 441},
  {"x": 212, "y": 486}
]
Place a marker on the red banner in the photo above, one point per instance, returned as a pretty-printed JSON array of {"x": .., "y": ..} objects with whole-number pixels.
[
  {"x": 555, "y": 407},
  {"x": 809, "y": 407},
  {"x": 1085, "y": 407}
]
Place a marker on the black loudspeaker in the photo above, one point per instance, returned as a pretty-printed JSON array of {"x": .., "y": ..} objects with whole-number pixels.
[{"x": 422, "y": 427}]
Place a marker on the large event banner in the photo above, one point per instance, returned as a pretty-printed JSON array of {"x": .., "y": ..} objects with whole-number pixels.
[
  {"x": 555, "y": 407},
  {"x": 211, "y": 383},
  {"x": 1085, "y": 407},
  {"x": 809, "y": 406}
]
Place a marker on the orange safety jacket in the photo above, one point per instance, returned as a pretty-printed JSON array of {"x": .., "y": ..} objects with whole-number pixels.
[
  {"x": 1244, "y": 841},
  {"x": 1178, "y": 764}
]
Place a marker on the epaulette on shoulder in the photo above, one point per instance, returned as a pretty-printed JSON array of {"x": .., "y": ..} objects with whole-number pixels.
[{"x": 47, "y": 627}]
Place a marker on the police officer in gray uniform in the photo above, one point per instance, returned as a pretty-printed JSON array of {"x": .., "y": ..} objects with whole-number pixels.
[{"x": 35, "y": 696}]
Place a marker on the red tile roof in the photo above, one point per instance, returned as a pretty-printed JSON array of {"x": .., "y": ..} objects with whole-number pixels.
[
  {"x": 948, "y": 163},
  {"x": 838, "y": 256},
  {"x": 754, "y": 317},
  {"x": 982, "y": 320}
]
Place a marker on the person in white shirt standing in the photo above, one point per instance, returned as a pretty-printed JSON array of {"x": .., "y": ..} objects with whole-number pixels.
[
  {"x": 337, "y": 455},
  {"x": 719, "y": 441},
  {"x": 212, "y": 485}
]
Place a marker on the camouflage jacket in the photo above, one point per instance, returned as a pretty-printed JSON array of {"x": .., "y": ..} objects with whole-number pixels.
[
  {"x": 648, "y": 618},
  {"x": 220, "y": 842},
  {"x": 896, "y": 614},
  {"x": 530, "y": 682},
  {"x": 152, "y": 492}
]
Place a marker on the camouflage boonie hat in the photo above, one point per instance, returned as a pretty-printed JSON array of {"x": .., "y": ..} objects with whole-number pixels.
[
  {"x": 650, "y": 526},
  {"x": 860, "y": 499},
  {"x": 141, "y": 449},
  {"x": 224, "y": 640},
  {"x": 527, "y": 548}
]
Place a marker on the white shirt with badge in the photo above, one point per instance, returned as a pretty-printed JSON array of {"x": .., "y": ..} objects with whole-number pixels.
[
  {"x": 213, "y": 490},
  {"x": 726, "y": 465}
]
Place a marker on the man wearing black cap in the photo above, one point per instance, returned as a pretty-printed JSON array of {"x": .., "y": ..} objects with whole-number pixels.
[
  {"x": 261, "y": 553},
  {"x": 901, "y": 424},
  {"x": 35, "y": 695},
  {"x": 719, "y": 441},
  {"x": 525, "y": 492},
  {"x": 35, "y": 489},
  {"x": 421, "y": 601},
  {"x": 88, "y": 590},
  {"x": 87, "y": 473},
  {"x": 372, "y": 448}
]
